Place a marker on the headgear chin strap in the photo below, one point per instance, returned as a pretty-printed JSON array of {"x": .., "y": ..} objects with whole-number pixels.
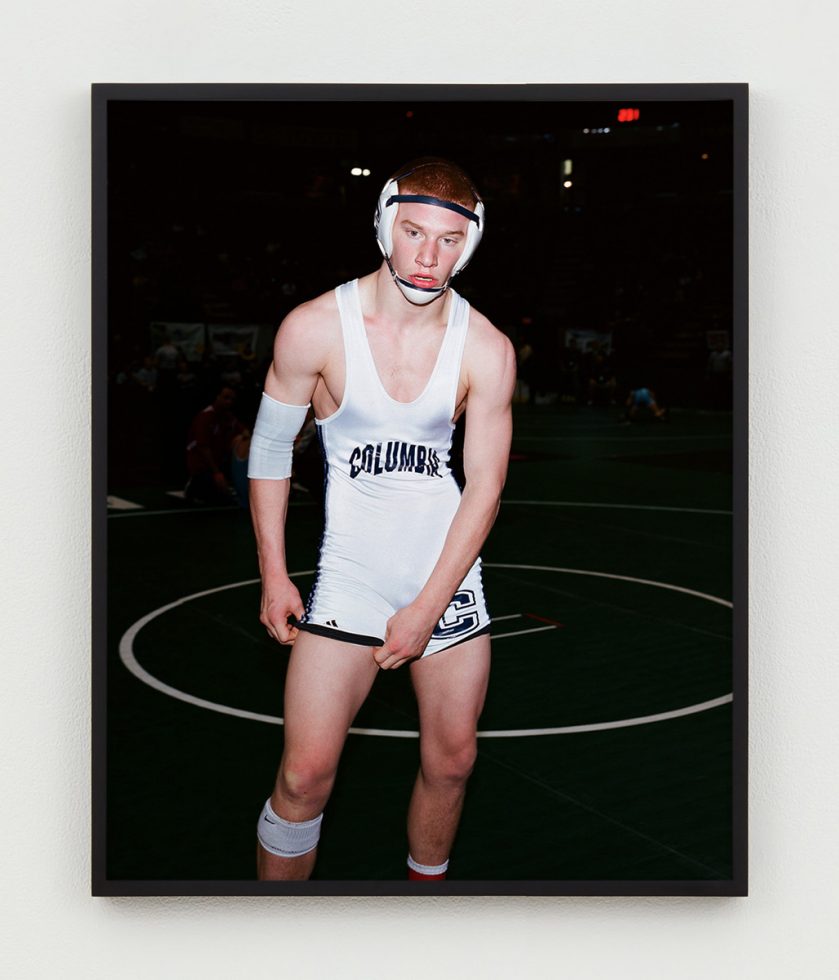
[{"x": 385, "y": 218}]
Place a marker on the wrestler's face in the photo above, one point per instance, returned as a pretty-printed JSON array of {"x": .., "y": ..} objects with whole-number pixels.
[{"x": 427, "y": 242}]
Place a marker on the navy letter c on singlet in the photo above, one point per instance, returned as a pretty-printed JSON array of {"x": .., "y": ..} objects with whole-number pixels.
[{"x": 460, "y": 617}]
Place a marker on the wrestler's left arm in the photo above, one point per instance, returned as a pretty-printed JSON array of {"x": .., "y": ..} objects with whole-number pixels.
[{"x": 490, "y": 364}]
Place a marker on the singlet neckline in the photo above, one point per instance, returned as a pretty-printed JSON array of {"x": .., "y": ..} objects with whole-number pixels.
[{"x": 372, "y": 361}]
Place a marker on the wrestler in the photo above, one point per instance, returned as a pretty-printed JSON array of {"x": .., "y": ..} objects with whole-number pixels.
[{"x": 388, "y": 362}]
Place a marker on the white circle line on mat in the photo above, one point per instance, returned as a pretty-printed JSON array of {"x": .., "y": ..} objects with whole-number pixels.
[{"x": 129, "y": 659}]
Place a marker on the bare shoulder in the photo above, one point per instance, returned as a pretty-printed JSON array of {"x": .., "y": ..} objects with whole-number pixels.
[
  {"x": 305, "y": 343},
  {"x": 310, "y": 330},
  {"x": 489, "y": 356}
]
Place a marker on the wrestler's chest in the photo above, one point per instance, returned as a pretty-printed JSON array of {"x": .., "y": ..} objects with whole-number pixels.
[{"x": 404, "y": 369}]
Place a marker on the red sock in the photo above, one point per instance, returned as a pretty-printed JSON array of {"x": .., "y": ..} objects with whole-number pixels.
[{"x": 417, "y": 876}]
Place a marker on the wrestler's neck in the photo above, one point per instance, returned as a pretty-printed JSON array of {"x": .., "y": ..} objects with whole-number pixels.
[{"x": 382, "y": 300}]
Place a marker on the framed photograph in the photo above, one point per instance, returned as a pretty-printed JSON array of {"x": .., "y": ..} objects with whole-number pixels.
[{"x": 565, "y": 715}]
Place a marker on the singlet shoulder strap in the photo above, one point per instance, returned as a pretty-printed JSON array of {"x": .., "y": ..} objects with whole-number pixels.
[
  {"x": 347, "y": 297},
  {"x": 459, "y": 324},
  {"x": 352, "y": 330},
  {"x": 455, "y": 341}
]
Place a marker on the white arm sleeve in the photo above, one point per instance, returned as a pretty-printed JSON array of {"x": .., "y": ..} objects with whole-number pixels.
[{"x": 277, "y": 424}]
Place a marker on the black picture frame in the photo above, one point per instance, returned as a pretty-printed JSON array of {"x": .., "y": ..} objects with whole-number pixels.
[{"x": 541, "y": 97}]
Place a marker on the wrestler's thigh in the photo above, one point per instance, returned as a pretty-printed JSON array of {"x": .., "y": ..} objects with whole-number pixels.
[
  {"x": 451, "y": 689},
  {"x": 326, "y": 683}
]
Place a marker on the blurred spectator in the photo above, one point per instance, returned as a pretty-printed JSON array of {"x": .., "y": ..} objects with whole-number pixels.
[
  {"x": 208, "y": 451},
  {"x": 146, "y": 376},
  {"x": 640, "y": 398},
  {"x": 185, "y": 377},
  {"x": 166, "y": 358}
]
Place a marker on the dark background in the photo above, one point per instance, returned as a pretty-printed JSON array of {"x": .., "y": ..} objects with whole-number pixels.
[{"x": 235, "y": 212}]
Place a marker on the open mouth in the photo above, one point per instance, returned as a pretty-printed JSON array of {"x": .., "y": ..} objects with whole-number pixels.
[{"x": 424, "y": 282}]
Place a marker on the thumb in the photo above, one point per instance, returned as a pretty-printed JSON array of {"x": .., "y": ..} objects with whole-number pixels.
[{"x": 377, "y": 651}]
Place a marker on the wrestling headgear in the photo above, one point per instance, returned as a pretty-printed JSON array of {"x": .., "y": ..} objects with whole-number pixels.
[{"x": 385, "y": 218}]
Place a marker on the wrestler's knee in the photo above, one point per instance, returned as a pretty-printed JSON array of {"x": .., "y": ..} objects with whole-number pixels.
[
  {"x": 306, "y": 779},
  {"x": 451, "y": 761}
]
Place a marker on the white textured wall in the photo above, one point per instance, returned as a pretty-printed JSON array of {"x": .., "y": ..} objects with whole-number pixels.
[{"x": 51, "y": 52}]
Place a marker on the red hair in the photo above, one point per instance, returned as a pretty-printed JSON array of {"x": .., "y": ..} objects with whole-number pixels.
[{"x": 437, "y": 177}]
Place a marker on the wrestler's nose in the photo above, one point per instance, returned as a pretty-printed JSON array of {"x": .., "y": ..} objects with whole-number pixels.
[{"x": 427, "y": 256}]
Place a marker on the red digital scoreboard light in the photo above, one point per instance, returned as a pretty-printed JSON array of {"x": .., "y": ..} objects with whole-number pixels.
[{"x": 628, "y": 115}]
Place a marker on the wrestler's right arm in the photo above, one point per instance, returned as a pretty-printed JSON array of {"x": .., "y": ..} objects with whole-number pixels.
[{"x": 299, "y": 358}]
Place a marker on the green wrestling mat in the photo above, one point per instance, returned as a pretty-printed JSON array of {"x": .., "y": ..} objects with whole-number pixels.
[{"x": 605, "y": 749}]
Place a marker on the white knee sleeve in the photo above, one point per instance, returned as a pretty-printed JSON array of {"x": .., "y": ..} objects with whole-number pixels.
[
  {"x": 285, "y": 838},
  {"x": 272, "y": 442}
]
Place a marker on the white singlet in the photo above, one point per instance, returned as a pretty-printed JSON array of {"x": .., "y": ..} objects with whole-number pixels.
[{"x": 389, "y": 495}]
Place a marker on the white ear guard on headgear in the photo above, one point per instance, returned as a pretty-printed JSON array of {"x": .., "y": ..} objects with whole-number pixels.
[{"x": 385, "y": 218}]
